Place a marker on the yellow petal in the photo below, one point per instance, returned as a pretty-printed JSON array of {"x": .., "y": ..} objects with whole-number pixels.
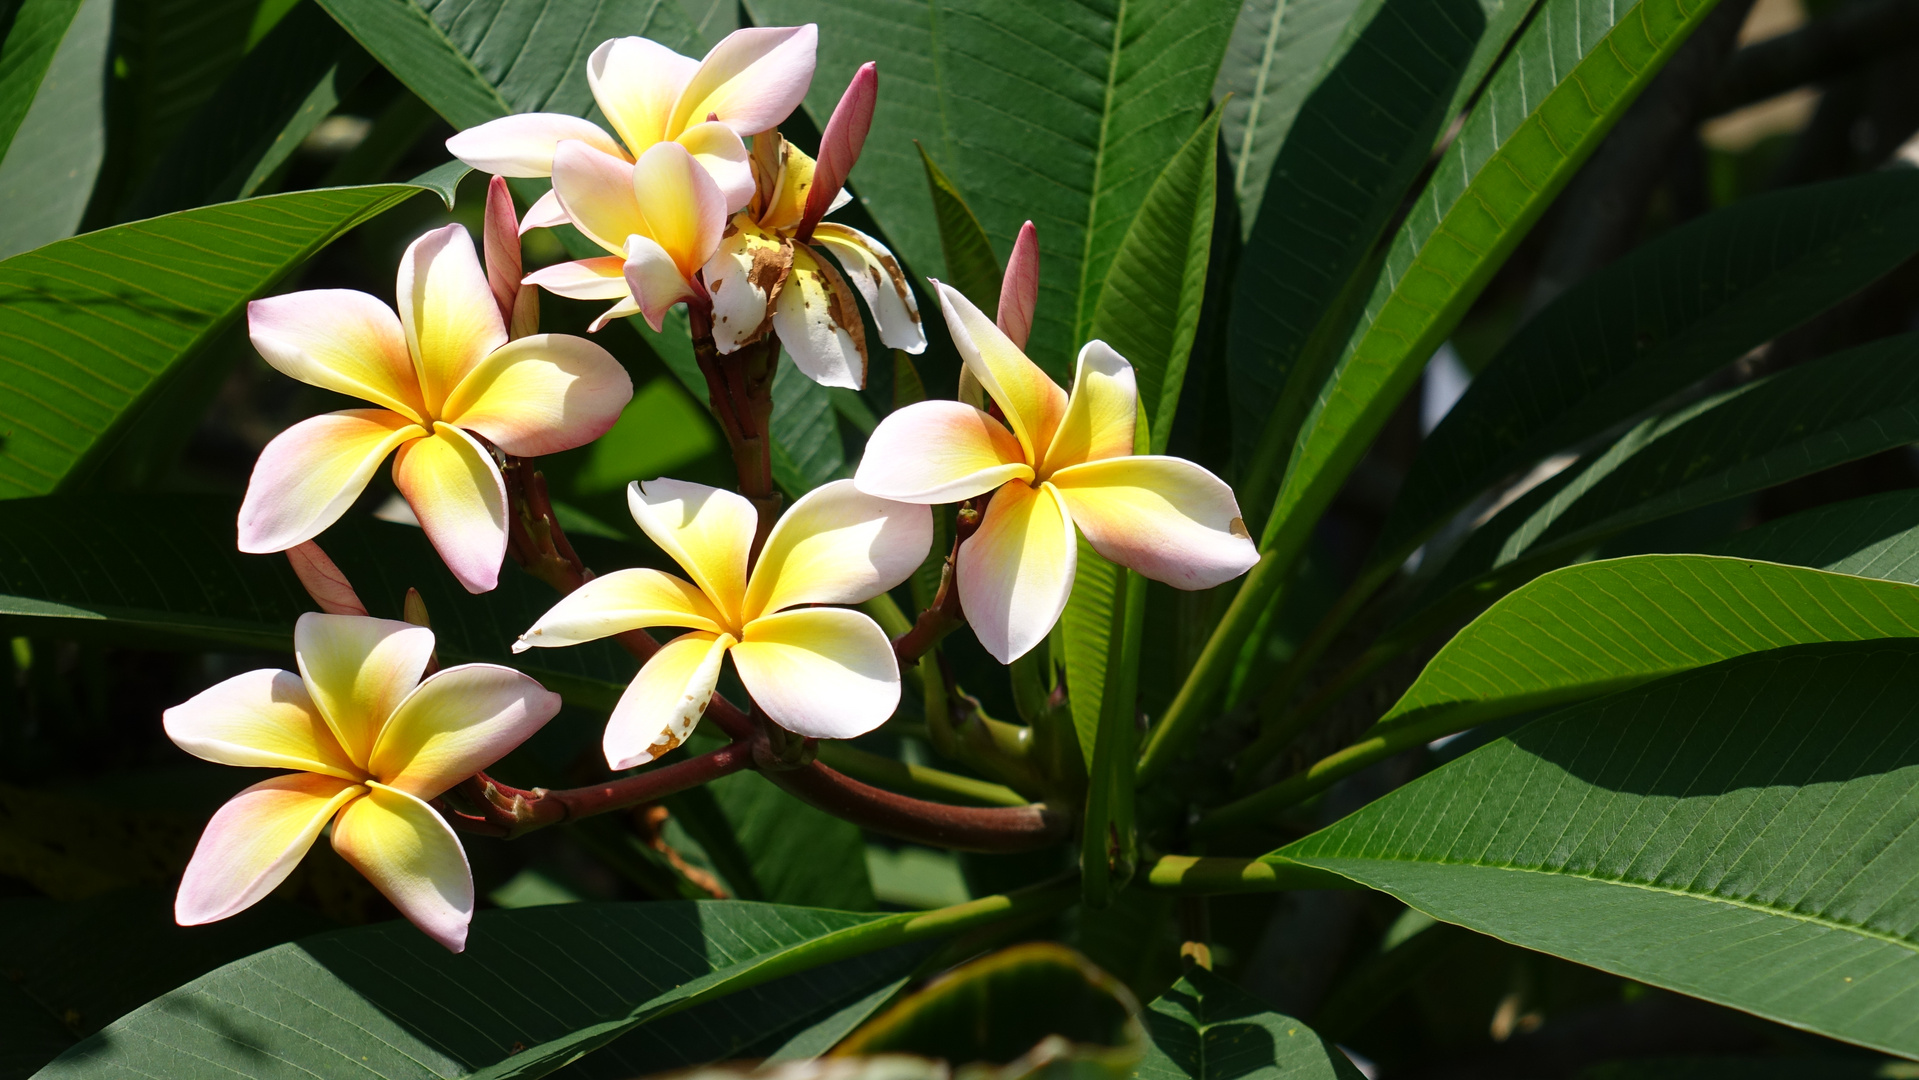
[
  {"x": 359, "y": 670},
  {"x": 635, "y": 81},
  {"x": 718, "y": 149},
  {"x": 262, "y": 720},
  {"x": 654, "y": 282},
  {"x": 939, "y": 452},
  {"x": 837, "y": 545},
  {"x": 342, "y": 340},
  {"x": 457, "y": 722},
  {"x": 684, "y": 209},
  {"x": 310, "y": 474},
  {"x": 522, "y": 144},
  {"x": 623, "y": 600},
  {"x": 1165, "y": 517},
  {"x": 818, "y": 323},
  {"x": 1100, "y": 413},
  {"x": 707, "y": 530},
  {"x": 452, "y": 321},
  {"x": 541, "y": 394},
  {"x": 1033, "y": 403},
  {"x": 596, "y": 191},
  {"x": 601, "y": 278},
  {"x": 410, "y": 854},
  {"x": 826, "y": 673},
  {"x": 665, "y": 700},
  {"x": 460, "y": 498},
  {"x": 255, "y": 841},
  {"x": 1017, "y": 570},
  {"x": 788, "y": 178}
]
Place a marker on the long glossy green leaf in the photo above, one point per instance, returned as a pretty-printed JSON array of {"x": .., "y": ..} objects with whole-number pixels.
[
  {"x": 1273, "y": 60},
  {"x": 1572, "y": 73},
  {"x": 32, "y": 38},
  {"x": 1807, "y": 418},
  {"x": 1371, "y": 103},
  {"x": 971, "y": 266},
  {"x": 1149, "y": 307},
  {"x": 1063, "y": 113},
  {"x": 94, "y": 325},
  {"x": 1743, "y": 833},
  {"x": 53, "y": 118},
  {"x": 162, "y": 571},
  {"x": 475, "y": 60},
  {"x": 171, "y": 55},
  {"x": 1874, "y": 537},
  {"x": 1643, "y": 328},
  {"x": 1205, "y": 1028},
  {"x": 535, "y": 988},
  {"x": 1599, "y": 627},
  {"x": 1149, "y": 312},
  {"x": 287, "y": 83}
]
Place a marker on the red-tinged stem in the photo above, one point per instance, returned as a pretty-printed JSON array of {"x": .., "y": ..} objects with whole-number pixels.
[
  {"x": 507, "y": 812},
  {"x": 739, "y": 387},
  {"x": 944, "y": 614},
  {"x": 961, "y": 828}
]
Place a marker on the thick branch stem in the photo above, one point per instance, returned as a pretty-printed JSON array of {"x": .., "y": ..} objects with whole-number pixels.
[
  {"x": 505, "y": 811},
  {"x": 944, "y": 614}
]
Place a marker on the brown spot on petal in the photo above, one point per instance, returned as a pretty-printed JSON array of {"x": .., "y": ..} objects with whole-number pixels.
[
  {"x": 1238, "y": 528},
  {"x": 842, "y": 311},
  {"x": 899, "y": 283}
]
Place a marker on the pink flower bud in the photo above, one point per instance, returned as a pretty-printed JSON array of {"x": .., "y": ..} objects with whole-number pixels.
[
  {"x": 840, "y": 145},
  {"x": 1019, "y": 290},
  {"x": 500, "y": 237}
]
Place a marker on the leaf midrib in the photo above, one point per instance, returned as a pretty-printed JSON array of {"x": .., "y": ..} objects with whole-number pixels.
[
  {"x": 1082, "y": 318},
  {"x": 1747, "y": 905},
  {"x": 1258, "y": 98}
]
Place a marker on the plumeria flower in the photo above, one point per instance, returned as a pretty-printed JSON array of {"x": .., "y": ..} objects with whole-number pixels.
[
  {"x": 650, "y": 94},
  {"x": 444, "y": 376},
  {"x": 371, "y": 745},
  {"x": 661, "y": 217},
  {"x": 1060, "y": 462},
  {"x": 769, "y": 272},
  {"x": 821, "y": 672}
]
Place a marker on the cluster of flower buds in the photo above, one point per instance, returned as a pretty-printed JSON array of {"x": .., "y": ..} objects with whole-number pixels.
[{"x": 689, "y": 215}]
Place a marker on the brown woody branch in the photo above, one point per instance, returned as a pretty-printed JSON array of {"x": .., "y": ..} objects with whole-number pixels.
[
  {"x": 944, "y": 614},
  {"x": 496, "y": 809}
]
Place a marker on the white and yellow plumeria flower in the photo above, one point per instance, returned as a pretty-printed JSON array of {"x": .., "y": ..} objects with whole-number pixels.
[
  {"x": 650, "y": 94},
  {"x": 442, "y": 372},
  {"x": 1066, "y": 463},
  {"x": 661, "y": 217},
  {"x": 821, "y": 672},
  {"x": 769, "y": 272},
  {"x": 371, "y": 743}
]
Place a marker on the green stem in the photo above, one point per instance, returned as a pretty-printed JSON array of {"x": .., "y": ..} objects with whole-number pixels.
[{"x": 1324, "y": 773}]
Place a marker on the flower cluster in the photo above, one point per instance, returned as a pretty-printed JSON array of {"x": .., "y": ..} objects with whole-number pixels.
[{"x": 461, "y": 383}]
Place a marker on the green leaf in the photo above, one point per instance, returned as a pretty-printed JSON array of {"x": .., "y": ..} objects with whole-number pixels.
[
  {"x": 1063, "y": 113},
  {"x": 174, "y": 54},
  {"x": 807, "y": 451},
  {"x": 1807, "y": 418},
  {"x": 971, "y": 266},
  {"x": 1205, "y": 1028},
  {"x": 1599, "y": 627},
  {"x": 289, "y": 82},
  {"x": 1273, "y": 61},
  {"x": 1142, "y": 314},
  {"x": 52, "y": 118},
  {"x": 1377, "y": 84},
  {"x": 72, "y": 968},
  {"x": 1643, "y": 328},
  {"x": 1002, "y": 1006},
  {"x": 1737, "y": 1068},
  {"x": 97, "y": 324},
  {"x": 70, "y": 566},
  {"x": 1874, "y": 537},
  {"x": 1742, "y": 833},
  {"x": 1572, "y": 73},
  {"x": 474, "y": 60},
  {"x": 33, "y": 36},
  {"x": 535, "y": 988},
  {"x": 795, "y": 854}
]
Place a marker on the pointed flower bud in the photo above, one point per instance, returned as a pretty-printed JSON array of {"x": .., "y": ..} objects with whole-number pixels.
[
  {"x": 1019, "y": 289},
  {"x": 840, "y": 145}
]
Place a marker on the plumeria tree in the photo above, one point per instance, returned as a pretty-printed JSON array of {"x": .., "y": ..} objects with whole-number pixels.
[{"x": 1179, "y": 539}]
